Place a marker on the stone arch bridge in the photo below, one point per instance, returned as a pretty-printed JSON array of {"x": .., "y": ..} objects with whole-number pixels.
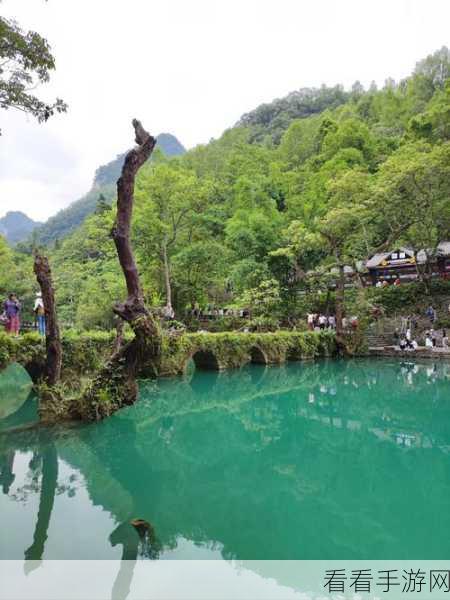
[{"x": 84, "y": 352}]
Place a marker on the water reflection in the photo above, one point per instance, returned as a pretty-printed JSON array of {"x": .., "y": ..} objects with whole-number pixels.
[
  {"x": 323, "y": 460},
  {"x": 7, "y": 470},
  {"x": 47, "y": 460}
]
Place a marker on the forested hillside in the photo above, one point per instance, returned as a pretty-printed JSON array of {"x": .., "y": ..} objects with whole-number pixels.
[
  {"x": 269, "y": 121},
  {"x": 16, "y": 226},
  {"x": 103, "y": 188},
  {"x": 279, "y": 204}
]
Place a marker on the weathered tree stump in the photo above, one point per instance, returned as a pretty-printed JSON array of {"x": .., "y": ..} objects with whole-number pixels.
[
  {"x": 52, "y": 403},
  {"x": 53, "y": 345},
  {"x": 115, "y": 385}
]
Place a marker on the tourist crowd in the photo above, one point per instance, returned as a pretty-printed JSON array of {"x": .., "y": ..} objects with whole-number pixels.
[
  {"x": 406, "y": 340},
  {"x": 10, "y": 317},
  {"x": 318, "y": 321}
]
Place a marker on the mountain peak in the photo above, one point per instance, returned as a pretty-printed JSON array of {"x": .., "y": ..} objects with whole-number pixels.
[
  {"x": 16, "y": 226},
  {"x": 109, "y": 173},
  {"x": 68, "y": 219}
]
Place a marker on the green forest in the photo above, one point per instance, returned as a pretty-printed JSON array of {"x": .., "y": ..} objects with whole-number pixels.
[{"x": 266, "y": 216}]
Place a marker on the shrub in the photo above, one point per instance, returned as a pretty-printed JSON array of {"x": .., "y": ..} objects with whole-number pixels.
[{"x": 396, "y": 298}]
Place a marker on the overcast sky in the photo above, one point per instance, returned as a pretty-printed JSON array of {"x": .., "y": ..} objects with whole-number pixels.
[{"x": 191, "y": 68}]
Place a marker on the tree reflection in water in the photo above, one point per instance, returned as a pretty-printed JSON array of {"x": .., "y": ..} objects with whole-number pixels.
[{"x": 301, "y": 461}]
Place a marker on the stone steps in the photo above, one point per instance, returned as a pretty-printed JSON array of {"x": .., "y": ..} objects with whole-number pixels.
[{"x": 379, "y": 340}]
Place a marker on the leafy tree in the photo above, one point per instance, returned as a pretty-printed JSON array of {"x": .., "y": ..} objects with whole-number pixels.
[
  {"x": 168, "y": 200},
  {"x": 264, "y": 303},
  {"x": 411, "y": 198},
  {"x": 434, "y": 123},
  {"x": 25, "y": 62},
  {"x": 431, "y": 73},
  {"x": 253, "y": 229},
  {"x": 300, "y": 141},
  {"x": 199, "y": 272},
  {"x": 102, "y": 205},
  {"x": 300, "y": 190},
  {"x": 340, "y": 229}
]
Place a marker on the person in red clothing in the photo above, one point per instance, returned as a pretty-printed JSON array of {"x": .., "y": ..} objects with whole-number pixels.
[{"x": 12, "y": 307}]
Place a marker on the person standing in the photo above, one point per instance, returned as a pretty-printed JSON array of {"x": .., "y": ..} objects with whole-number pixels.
[
  {"x": 433, "y": 337},
  {"x": 322, "y": 321},
  {"x": 39, "y": 311},
  {"x": 12, "y": 307},
  {"x": 431, "y": 314},
  {"x": 444, "y": 340}
]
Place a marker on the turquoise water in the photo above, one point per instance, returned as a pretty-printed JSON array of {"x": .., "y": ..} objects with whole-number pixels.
[{"x": 329, "y": 460}]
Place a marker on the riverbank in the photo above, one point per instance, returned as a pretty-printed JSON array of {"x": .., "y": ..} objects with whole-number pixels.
[{"x": 421, "y": 352}]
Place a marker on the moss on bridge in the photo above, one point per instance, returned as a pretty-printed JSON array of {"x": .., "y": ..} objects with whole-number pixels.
[
  {"x": 85, "y": 352},
  {"x": 218, "y": 351}
]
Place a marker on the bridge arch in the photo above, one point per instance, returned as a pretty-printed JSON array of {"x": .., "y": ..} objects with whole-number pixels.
[
  {"x": 294, "y": 354},
  {"x": 206, "y": 360},
  {"x": 258, "y": 356}
]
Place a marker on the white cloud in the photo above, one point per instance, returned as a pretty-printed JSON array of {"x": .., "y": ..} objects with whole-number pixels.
[{"x": 190, "y": 67}]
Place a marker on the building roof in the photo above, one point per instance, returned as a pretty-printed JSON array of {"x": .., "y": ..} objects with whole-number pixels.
[
  {"x": 377, "y": 259},
  {"x": 443, "y": 249}
]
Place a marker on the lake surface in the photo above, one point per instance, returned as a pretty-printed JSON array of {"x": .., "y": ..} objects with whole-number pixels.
[{"x": 329, "y": 460}]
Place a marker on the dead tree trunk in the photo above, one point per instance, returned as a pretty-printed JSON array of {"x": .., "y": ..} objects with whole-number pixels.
[
  {"x": 118, "y": 342},
  {"x": 340, "y": 287},
  {"x": 115, "y": 385},
  {"x": 52, "y": 337},
  {"x": 166, "y": 268}
]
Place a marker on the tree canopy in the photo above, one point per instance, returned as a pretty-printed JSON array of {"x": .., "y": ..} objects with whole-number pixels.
[
  {"x": 25, "y": 62},
  {"x": 299, "y": 188}
]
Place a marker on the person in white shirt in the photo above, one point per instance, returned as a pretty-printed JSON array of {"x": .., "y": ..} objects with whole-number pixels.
[
  {"x": 39, "y": 311},
  {"x": 444, "y": 339}
]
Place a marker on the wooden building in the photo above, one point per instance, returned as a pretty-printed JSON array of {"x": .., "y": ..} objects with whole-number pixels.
[{"x": 402, "y": 263}]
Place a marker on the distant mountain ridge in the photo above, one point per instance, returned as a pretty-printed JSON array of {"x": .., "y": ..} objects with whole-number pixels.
[
  {"x": 109, "y": 173},
  {"x": 16, "y": 226},
  {"x": 266, "y": 122},
  {"x": 273, "y": 118},
  {"x": 68, "y": 219}
]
